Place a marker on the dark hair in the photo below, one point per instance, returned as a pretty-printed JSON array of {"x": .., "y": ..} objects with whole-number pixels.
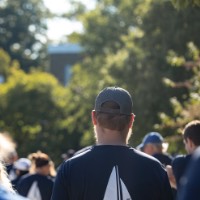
[
  {"x": 192, "y": 131},
  {"x": 40, "y": 159},
  {"x": 112, "y": 121}
]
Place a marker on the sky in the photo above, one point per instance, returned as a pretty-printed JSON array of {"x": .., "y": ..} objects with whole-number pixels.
[{"x": 59, "y": 28}]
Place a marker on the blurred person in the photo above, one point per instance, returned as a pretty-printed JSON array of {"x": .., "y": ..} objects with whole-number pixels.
[
  {"x": 6, "y": 190},
  {"x": 38, "y": 185},
  {"x": 21, "y": 167},
  {"x": 191, "y": 139},
  {"x": 8, "y": 146},
  {"x": 190, "y": 187},
  {"x": 153, "y": 144},
  {"x": 70, "y": 153},
  {"x": 112, "y": 170}
]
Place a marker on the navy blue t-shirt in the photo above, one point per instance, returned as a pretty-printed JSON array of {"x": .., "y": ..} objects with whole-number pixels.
[
  {"x": 165, "y": 159},
  {"x": 179, "y": 166},
  {"x": 44, "y": 184},
  {"x": 190, "y": 188},
  {"x": 107, "y": 172}
]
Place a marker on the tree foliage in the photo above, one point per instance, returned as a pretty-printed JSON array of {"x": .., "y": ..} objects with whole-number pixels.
[
  {"x": 187, "y": 110},
  {"x": 127, "y": 43},
  {"x": 33, "y": 109},
  {"x": 130, "y": 44},
  {"x": 23, "y": 31},
  {"x": 180, "y": 4}
]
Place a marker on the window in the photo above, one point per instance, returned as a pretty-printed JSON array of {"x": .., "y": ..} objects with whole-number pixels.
[{"x": 67, "y": 74}]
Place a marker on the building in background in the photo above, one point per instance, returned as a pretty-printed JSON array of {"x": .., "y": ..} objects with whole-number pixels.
[{"x": 62, "y": 58}]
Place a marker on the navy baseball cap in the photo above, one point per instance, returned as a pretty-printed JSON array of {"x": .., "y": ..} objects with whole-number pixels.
[
  {"x": 117, "y": 95},
  {"x": 151, "y": 138}
]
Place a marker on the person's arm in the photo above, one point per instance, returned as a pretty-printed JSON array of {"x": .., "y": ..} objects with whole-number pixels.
[
  {"x": 166, "y": 188},
  {"x": 60, "y": 189},
  {"x": 171, "y": 177}
]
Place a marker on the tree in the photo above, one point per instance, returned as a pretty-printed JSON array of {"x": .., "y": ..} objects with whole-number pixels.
[
  {"x": 33, "y": 109},
  {"x": 180, "y": 4},
  {"x": 187, "y": 110},
  {"x": 127, "y": 43},
  {"x": 5, "y": 64},
  {"x": 23, "y": 31}
]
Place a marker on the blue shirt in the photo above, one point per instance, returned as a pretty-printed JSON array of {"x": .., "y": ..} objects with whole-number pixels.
[{"x": 6, "y": 195}]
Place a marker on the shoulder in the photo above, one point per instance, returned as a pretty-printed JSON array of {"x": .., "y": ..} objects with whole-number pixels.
[
  {"x": 144, "y": 159},
  {"x": 76, "y": 161},
  {"x": 25, "y": 178},
  {"x": 5, "y": 195},
  {"x": 163, "y": 155},
  {"x": 181, "y": 160},
  {"x": 85, "y": 149},
  {"x": 163, "y": 158}
]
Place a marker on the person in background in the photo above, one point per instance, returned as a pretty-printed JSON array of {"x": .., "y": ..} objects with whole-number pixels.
[
  {"x": 191, "y": 139},
  {"x": 153, "y": 144},
  {"x": 6, "y": 190},
  {"x": 37, "y": 185},
  {"x": 8, "y": 146},
  {"x": 69, "y": 154},
  {"x": 190, "y": 187},
  {"x": 21, "y": 167},
  {"x": 111, "y": 169}
]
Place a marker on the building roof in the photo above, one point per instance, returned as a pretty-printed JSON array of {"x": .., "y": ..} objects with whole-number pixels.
[{"x": 65, "y": 48}]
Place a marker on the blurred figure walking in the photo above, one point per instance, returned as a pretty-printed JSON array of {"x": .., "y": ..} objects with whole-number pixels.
[
  {"x": 6, "y": 190},
  {"x": 39, "y": 185}
]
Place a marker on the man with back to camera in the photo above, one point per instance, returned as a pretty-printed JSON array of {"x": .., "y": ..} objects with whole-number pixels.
[
  {"x": 112, "y": 170},
  {"x": 191, "y": 138}
]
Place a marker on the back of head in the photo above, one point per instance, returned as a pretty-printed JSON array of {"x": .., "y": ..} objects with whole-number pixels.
[
  {"x": 39, "y": 159},
  {"x": 192, "y": 131},
  {"x": 113, "y": 108},
  {"x": 151, "y": 138},
  {"x": 153, "y": 143},
  {"x": 42, "y": 163}
]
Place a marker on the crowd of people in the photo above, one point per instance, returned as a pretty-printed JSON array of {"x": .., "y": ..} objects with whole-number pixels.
[{"x": 110, "y": 169}]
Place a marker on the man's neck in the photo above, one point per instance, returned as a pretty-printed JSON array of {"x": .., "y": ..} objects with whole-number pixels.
[
  {"x": 111, "y": 143},
  {"x": 109, "y": 137}
]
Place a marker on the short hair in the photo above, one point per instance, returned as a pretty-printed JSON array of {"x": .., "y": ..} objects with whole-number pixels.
[
  {"x": 112, "y": 121},
  {"x": 39, "y": 159},
  {"x": 192, "y": 131}
]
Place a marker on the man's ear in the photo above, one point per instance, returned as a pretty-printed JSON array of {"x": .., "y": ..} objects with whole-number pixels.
[
  {"x": 131, "y": 120},
  {"x": 94, "y": 120},
  {"x": 191, "y": 143}
]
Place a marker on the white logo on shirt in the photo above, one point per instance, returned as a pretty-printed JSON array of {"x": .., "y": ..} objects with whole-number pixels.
[
  {"x": 34, "y": 192},
  {"x": 116, "y": 189}
]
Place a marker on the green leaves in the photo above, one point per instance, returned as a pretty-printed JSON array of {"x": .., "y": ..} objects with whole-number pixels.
[
  {"x": 23, "y": 31},
  {"x": 133, "y": 44},
  {"x": 181, "y": 4},
  {"x": 33, "y": 109}
]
